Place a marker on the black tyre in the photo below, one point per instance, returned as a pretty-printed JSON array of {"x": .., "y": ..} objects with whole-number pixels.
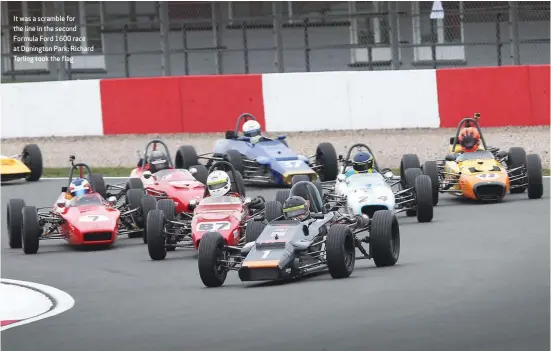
[
  {"x": 282, "y": 195},
  {"x": 534, "y": 174},
  {"x": 318, "y": 185},
  {"x": 423, "y": 198},
  {"x": 253, "y": 231},
  {"x": 299, "y": 178},
  {"x": 32, "y": 158},
  {"x": 98, "y": 184},
  {"x": 408, "y": 161},
  {"x": 409, "y": 182},
  {"x": 211, "y": 250},
  {"x": 133, "y": 198},
  {"x": 516, "y": 157},
  {"x": 169, "y": 209},
  {"x": 272, "y": 210},
  {"x": 201, "y": 174},
  {"x": 236, "y": 160},
  {"x": 237, "y": 185},
  {"x": 135, "y": 183},
  {"x": 148, "y": 203},
  {"x": 326, "y": 156},
  {"x": 156, "y": 243},
  {"x": 14, "y": 219},
  {"x": 430, "y": 168},
  {"x": 385, "y": 238},
  {"x": 186, "y": 157},
  {"x": 340, "y": 251},
  {"x": 30, "y": 230}
]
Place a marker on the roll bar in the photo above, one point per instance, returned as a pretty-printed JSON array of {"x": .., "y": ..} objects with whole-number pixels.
[
  {"x": 459, "y": 126},
  {"x": 80, "y": 167},
  {"x": 246, "y": 116},
  {"x": 359, "y": 145},
  {"x": 312, "y": 192},
  {"x": 155, "y": 142}
]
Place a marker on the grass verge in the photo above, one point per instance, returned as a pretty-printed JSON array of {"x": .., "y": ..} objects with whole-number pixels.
[{"x": 125, "y": 172}]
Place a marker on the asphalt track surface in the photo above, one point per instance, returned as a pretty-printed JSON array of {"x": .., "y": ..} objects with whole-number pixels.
[{"x": 476, "y": 278}]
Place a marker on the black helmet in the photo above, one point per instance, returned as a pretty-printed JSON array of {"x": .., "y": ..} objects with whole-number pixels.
[
  {"x": 296, "y": 207},
  {"x": 363, "y": 161},
  {"x": 157, "y": 161}
]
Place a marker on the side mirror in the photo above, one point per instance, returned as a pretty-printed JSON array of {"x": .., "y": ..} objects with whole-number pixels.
[
  {"x": 341, "y": 177},
  {"x": 259, "y": 218},
  {"x": 502, "y": 154},
  {"x": 247, "y": 200},
  {"x": 450, "y": 157},
  {"x": 318, "y": 215},
  {"x": 193, "y": 170},
  {"x": 61, "y": 204}
]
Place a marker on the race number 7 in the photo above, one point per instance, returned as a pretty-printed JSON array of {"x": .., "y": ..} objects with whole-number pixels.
[
  {"x": 203, "y": 227},
  {"x": 292, "y": 164}
]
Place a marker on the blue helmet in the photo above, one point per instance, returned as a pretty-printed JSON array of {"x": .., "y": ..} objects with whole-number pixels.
[{"x": 362, "y": 162}]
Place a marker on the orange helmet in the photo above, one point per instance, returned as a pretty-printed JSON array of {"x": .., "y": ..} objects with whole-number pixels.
[{"x": 469, "y": 139}]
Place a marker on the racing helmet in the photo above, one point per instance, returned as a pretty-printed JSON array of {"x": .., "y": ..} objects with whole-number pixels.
[
  {"x": 362, "y": 162},
  {"x": 469, "y": 139},
  {"x": 296, "y": 208},
  {"x": 157, "y": 161},
  {"x": 79, "y": 187},
  {"x": 251, "y": 128},
  {"x": 218, "y": 183}
]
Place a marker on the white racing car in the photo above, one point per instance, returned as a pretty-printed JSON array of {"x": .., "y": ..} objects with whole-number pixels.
[{"x": 365, "y": 193}]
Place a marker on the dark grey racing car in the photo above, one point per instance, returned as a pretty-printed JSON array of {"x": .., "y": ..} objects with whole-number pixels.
[{"x": 286, "y": 249}]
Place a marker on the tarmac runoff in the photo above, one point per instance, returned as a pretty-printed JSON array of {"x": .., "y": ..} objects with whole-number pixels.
[{"x": 27, "y": 302}]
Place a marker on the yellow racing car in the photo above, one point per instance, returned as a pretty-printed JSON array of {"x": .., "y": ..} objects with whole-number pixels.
[{"x": 26, "y": 165}]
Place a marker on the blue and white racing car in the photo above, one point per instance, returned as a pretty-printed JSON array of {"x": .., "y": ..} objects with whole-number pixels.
[
  {"x": 366, "y": 193},
  {"x": 267, "y": 161}
]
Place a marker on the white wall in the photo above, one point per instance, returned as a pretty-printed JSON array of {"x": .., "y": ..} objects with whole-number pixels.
[{"x": 66, "y": 108}]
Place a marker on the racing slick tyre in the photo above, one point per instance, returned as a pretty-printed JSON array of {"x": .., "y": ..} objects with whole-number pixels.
[
  {"x": 32, "y": 158},
  {"x": 14, "y": 218},
  {"x": 340, "y": 251},
  {"x": 147, "y": 204},
  {"x": 408, "y": 161},
  {"x": 424, "y": 199},
  {"x": 384, "y": 246},
  {"x": 409, "y": 182},
  {"x": 201, "y": 174},
  {"x": 237, "y": 185},
  {"x": 535, "y": 176},
  {"x": 236, "y": 160},
  {"x": 169, "y": 209},
  {"x": 516, "y": 157},
  {"x": 155, "y": 236},
  {"x": 430, "y": 168},
  {"x": 273, "y": 210},
  {"x": 282, "y": 195},
  {"x": 135, "y": 183},
  {"x": 30, "y": 230},
  {"x": 186, "y": 157},
  {"x": 98, "y": 184},
  {"x": 211, "y": 251},
  {"x": 326, "y": 156},
  {"x": 253, "y": 231}
]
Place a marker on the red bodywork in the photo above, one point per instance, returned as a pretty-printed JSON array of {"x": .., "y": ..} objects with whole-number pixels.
[
  {"x": 224, "y": 215},
  {"x": 88, "y": 221},
  {"x": 179, "y": 185}
]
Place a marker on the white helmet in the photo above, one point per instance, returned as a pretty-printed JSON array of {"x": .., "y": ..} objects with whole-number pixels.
[
  {"x": 218, "y": 183},
  {"x": 251, "y": 128}
]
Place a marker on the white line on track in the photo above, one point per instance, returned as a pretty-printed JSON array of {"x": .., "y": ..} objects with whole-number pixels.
[{"x": 61, "y": 301}]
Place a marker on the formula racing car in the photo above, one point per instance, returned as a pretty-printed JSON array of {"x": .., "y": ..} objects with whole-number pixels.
[
  {"x": 81, "y": 221},
  {"x": 486, "y": 174},
  {"x": 28, "y": 165},
  {"x": 289, "y": 248},
  {"x": 267, "y": 161},
  {"x": 230, "y": 215}
]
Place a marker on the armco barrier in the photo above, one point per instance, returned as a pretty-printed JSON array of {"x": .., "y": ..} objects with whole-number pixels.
[{"x": 506, "y": 96}]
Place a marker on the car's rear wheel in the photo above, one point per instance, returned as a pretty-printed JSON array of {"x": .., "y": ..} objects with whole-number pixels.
[
  {"x": 186, "y": 157},
  {"x": 534, "y": 175},
  {"x": 135, "y": 183},
  {"x": 409, "y": 182},
  {"x": 98, "y": 184},
  {"x": 423, "y": 198},
  {"x": 201, "y": 173},
  {"x": 147, "y": 204},
  {"x": 237, "y": 184},
  {"x": 169, "y": 209},
  {"x": 236, "y": 160},
  {"x": 212, "y": 271},
  {"x": 155, "y": 235},
  {"x": 326, "y": 157},
  {"x": 282, "y": 195},
  {"x": 32, "y": 158},
  {"x": 253, "y": 230},
  {"x": 30, "y": 230},
  {"x": 14, "y": 218},
  {"x": 340, "y": 251},
  {"x": 408, "y": 161},
  {"x": 516, "y": 157},
  {"x": 385, "y": 238},
  {"x": 430, "y": 168},
  {"x": 273, "y": 210}
]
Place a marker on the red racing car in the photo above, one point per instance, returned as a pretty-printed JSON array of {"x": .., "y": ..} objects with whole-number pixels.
[
  {"x": 81, "y": 221},
  {"x": 231, "y": 215}
]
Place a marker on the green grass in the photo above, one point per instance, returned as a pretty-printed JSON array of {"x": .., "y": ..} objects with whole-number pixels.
[{"x": 125, "y": 172}]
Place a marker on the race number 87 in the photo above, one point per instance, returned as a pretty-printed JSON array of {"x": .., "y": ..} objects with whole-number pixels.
[{"x": 203, "y": 227}]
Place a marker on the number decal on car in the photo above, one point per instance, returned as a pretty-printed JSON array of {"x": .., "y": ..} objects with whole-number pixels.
[
  {"x": 265, "y": 254},
  {"x": 206, "y": 226},
  {"x": 291, "y": 164},
  {"x": 93, "y": 218}
]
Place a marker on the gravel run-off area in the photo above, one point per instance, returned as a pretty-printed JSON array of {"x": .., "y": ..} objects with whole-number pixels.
[{"x": 387, "y": 145}]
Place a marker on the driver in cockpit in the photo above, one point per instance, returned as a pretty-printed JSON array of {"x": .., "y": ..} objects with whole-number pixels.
[{"x": 361, "y": 163}]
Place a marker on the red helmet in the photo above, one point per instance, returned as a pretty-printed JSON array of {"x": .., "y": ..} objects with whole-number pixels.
[{"x": 469, "y": 139}]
